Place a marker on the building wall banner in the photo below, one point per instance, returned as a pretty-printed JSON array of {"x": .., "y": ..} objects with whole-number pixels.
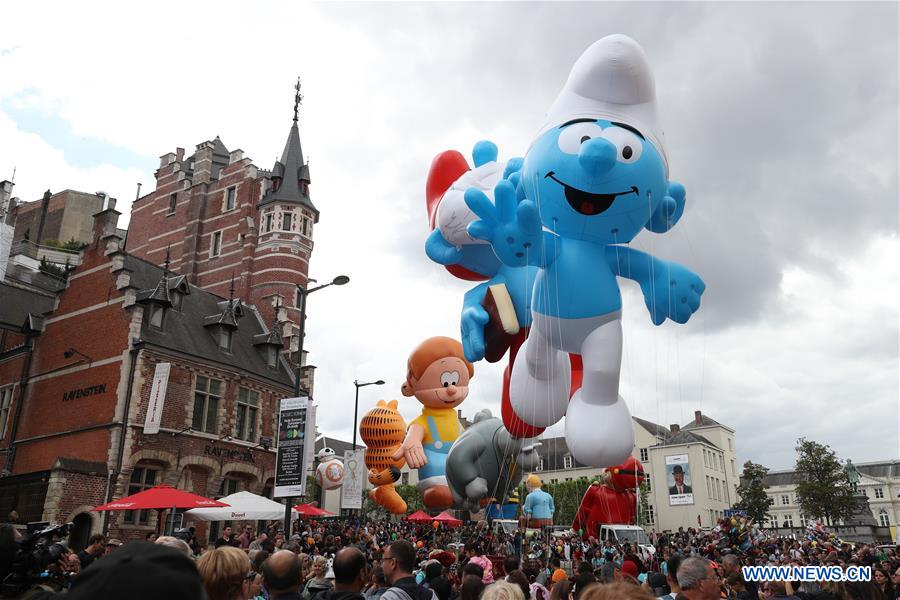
[
  {"x": 354, "y": 478},
  {"x": 678, "y": 480},
  {"x": 157, "y": 399},
  {"x": 296, "y": 438}
]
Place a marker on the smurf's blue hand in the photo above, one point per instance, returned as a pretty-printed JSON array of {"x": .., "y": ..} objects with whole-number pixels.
[
  {"x": 673, "y": 292},
  {"x": 513, "y": 228},
  {"x": 513, "y": 166},
  {"x": 440, "y": 250},
  {"x": 669, "y": 210},
  {"x": 472, "y": 322},
  {"x": 670, "y": 290}
]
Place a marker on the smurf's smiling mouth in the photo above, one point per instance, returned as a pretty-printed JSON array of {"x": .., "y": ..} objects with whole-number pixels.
[{"x": 587, "y": 203}]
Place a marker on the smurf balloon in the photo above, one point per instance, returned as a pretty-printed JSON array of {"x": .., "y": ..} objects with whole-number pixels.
[
  {"x": 594, "y": 177},
  {"x": 330, "y": 472}
]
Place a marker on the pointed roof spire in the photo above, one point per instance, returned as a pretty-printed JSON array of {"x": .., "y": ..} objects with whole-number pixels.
[
  {"x": 298, "y": 99},
  {"x": 291, "y": 169}
]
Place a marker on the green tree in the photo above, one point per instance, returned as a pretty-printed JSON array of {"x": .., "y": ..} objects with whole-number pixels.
[
  {"x": 411, "y": 496},
  {"x": 752, "y": 492},
  {"x": 822, "y": 488},
  {"x": 643, "y": 516}
]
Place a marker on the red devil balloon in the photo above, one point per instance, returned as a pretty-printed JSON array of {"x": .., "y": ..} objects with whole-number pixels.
[{"x": 614, "y": 502}]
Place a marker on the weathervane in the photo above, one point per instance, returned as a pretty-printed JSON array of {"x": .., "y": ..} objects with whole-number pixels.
[{"x": 298, "y": 98}]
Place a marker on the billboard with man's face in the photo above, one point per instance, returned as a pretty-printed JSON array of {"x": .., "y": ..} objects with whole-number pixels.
[{"x": 678, "y": 480}]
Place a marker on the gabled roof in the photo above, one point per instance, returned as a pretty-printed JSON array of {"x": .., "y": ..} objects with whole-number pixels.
[
  {"x": 20, "y": 307},
  {"x": 685, "y": 437},
  {"x": 704, "y": 422},
  {"x": 655, "y": 430},
  {"x": 339, "y": 446},
  {"x": 183, "y": 329},
  {"x": 292, "y": 170}
]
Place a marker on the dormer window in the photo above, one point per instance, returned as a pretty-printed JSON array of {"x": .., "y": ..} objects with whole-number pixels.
[
  {"x": 176, "y": 300},
  {"x": 272, "y": 357},
  {"x": 157, "y": 314},
  {"x": 225, "y": 337}
]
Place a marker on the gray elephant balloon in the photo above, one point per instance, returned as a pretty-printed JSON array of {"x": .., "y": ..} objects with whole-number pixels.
[{"x": 487, "y": 462}]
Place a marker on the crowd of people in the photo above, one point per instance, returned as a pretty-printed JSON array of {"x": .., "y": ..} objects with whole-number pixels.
[{"x": 349, "y": 559}]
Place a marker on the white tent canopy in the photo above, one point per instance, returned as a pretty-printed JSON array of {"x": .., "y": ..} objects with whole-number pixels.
[{"x": 242, "y": 506}]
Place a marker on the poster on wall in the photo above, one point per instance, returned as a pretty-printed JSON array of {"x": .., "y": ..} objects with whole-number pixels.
[
  {"x": 354, "y": 479},
  {"x": 678, "y": 480},
  {"x": 296, "y": 433}
]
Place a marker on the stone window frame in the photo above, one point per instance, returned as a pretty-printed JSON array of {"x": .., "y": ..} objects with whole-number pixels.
[
  {"x": 204, "y": 425},
  {"x": 173, "y": 204},
  {"x": 256, "y": 408},
  {"x": 215, "y": 249},
  {"x": 230, "y": 195},
  {"x": 290, "y": 217}
]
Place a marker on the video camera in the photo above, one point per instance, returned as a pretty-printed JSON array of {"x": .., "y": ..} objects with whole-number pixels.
[{"x": 36, "y": 559}]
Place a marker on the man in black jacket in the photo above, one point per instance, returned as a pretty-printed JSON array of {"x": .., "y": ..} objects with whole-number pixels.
[
  {"x": 398, "y": 562},
  {"x": 350, "y": 575}
]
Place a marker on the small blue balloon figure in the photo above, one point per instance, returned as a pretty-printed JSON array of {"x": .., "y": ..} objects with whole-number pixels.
[{"x": 596, "y": 174}]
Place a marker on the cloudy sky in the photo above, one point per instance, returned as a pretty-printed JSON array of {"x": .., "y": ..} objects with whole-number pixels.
[{"x": 781, "y": 121}]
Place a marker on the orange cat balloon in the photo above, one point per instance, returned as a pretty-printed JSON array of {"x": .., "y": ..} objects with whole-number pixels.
[{"x": 382, "y": 430}]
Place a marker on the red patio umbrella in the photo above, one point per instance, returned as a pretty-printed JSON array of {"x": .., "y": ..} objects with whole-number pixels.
[
  {"x": 308, "y": 510},
  {"x": 419, "y": 517},
  {"x": 159, "y": 498},
  {"x": 448, "y": 519}
]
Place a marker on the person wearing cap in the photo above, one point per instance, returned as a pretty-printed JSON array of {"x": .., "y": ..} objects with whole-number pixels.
[
  {"x": 112, "y": 544},
  {"x": 680, "y": 486},
  {"x": 140, "y": 571}
]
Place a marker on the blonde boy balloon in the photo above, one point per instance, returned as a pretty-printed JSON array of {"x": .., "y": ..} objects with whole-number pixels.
[{"x": 438, "y": 376}]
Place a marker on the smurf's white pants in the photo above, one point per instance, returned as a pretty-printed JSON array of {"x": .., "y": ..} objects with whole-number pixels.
[{"x": 598, "y": 424}]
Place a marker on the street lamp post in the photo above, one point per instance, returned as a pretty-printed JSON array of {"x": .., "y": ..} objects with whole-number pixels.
[
  {"x": 302, "y": 293},
  {"x": 356, "y": 404}
]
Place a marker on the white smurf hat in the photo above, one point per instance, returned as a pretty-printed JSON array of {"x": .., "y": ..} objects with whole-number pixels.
[{"x": 612, "y": 80}]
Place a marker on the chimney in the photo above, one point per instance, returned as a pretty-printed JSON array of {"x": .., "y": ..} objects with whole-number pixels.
[
  {"x": 674, "y": 428},
  {"x": 105, "y": 221},
  {"x": 698, "y": 417}
]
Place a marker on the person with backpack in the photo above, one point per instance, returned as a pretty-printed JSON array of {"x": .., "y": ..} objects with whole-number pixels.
[{"x": 398, "y": 561}]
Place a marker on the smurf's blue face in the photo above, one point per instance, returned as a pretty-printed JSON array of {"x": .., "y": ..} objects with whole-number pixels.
[{"x": 594, "y": 180}]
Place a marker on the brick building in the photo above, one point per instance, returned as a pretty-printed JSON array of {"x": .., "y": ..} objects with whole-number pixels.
[
  {"x": 74, "y": 432},
  {"x": 217, "y": 214}
]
